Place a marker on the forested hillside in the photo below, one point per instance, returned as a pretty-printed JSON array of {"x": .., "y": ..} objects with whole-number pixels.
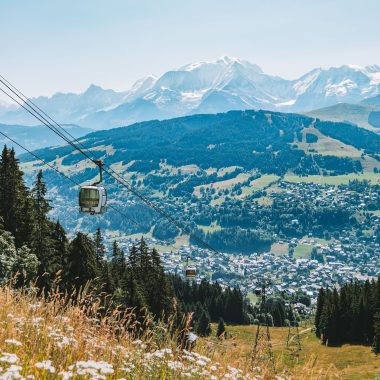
[{"x": 208, "y": 165}]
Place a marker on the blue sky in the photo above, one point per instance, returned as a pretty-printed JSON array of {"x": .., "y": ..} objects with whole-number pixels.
[{"x": 56, "y": 45}]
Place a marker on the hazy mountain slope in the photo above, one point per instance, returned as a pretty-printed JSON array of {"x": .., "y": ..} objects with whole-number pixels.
[
  {"x": 354, "y": 113},
  {"x": 36, "y": 137},
  {"x": 216, "y": 86},
  {"x": 67, "y": 108}
]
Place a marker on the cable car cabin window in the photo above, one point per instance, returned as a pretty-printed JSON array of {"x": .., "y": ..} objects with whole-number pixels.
[
  {"x": 89, "y": 197},
  {"x": 190, "y": 272}
]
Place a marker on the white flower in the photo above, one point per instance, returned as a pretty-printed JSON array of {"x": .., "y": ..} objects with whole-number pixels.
[
  {"x": 66, "y": 375},
  {"x": 37, "y": 320},
  {"x": 46, "y": 365},
  {"x": 92, "y": 367},
  {"x": 9, "y": 358},
  {"x": 174, "y": 364},
  {"x": 13, "y": 372},
  {"x": 13, "y": 341}
]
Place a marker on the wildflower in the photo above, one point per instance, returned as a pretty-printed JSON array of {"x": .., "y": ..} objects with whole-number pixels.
[
  {"x": 66, "y": 375},
  {"x": 13, "y": 372},
  {"x": 174, "y": 364},
  {"x": 92, "y": 367},
  {"x": 213, "y": 368},
  {"x": 9, "y": 358},
  {"x": 36, "y": 321},
  {"x": 46, "y": 365},
  {"x": 13, "y": 341}
]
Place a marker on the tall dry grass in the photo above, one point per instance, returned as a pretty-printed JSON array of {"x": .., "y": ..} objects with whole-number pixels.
[{"x": 61, "y": 336}]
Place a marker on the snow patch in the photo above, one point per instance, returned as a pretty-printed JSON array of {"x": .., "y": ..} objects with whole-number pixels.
[{"x": 340, "y": 89}]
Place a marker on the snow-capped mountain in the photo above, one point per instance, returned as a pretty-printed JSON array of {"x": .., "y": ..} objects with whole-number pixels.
[{"x": 209, "y": 87}]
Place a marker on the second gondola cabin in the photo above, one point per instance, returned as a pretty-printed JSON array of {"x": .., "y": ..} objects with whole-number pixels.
[
  {"x": 93, "y": 199},
  {"x": 190, "y": 272}
]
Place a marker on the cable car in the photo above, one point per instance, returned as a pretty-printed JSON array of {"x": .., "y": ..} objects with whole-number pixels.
[
  {"x": 190, "y": 271},
  {"x": 93, "y": 198}
]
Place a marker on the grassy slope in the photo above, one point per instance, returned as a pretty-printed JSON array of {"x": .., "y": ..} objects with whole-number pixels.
[
  {"x": 355, "y": 113},
  {"x": 346, "y": 362}
]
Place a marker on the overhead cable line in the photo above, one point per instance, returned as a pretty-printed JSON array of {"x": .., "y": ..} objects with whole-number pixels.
[
  {"x": 34, "y": 112},
  {"x": 63, "y": 174}
]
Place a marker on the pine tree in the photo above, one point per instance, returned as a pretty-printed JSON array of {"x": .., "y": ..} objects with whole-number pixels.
[
  {"x": 99, "y": 246},
  {"x": 376, "y": 338},
  {"x": 60, "y": 245},
  {"x": 82, "y": 266},
  {"x": 42, "y": 243},
  {"x": 203, "y": 327},
  {"x": 221, "y": 328},
  {"x": 318, "y": 313},
  {"x": 15, "y": 203}
]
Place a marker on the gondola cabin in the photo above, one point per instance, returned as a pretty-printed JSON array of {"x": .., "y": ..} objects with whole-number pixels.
[
  {"x": 190, "y": 272},
  {"x": 92, "y": 199}
]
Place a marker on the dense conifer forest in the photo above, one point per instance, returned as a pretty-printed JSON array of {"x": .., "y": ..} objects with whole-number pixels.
[{"x": 349, "y": 315}]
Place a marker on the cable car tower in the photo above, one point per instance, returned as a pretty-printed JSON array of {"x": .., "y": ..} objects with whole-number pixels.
[
  {"x": 262, "y": 348},
  {"x": 293, "y": 340}
]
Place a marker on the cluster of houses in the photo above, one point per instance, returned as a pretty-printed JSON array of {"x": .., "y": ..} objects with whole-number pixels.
[{"x": 349, "y": 256}]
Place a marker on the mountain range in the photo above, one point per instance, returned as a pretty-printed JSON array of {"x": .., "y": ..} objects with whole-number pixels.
[{"x": 206, "y": 87}]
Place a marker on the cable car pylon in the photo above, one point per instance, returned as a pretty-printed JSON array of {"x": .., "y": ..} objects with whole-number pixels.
[
  {"x": 262, "y": 348},
  {"x": 293, "y": 340}
]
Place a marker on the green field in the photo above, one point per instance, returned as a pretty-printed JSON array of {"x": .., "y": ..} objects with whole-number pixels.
[
  {"x": 212, "y": 228},
  {"x": 374, "y": 178},
  {"x": 302, "y": 251}
]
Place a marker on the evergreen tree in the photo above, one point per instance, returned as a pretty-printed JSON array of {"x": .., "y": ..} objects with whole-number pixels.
[
  {"x": 376, "y": 338},
  {"x": 15, "y": 203},
  {"x": 42, "y": 243},
  {"x": 203, "y": 327},
  {"x": 99, "y": 246},
  {"x": 82, "y": 266},
  {"x": 60, "y": 245},
  {"x": 221, "y": 328},
  {"x": 318, "y": 313}
]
